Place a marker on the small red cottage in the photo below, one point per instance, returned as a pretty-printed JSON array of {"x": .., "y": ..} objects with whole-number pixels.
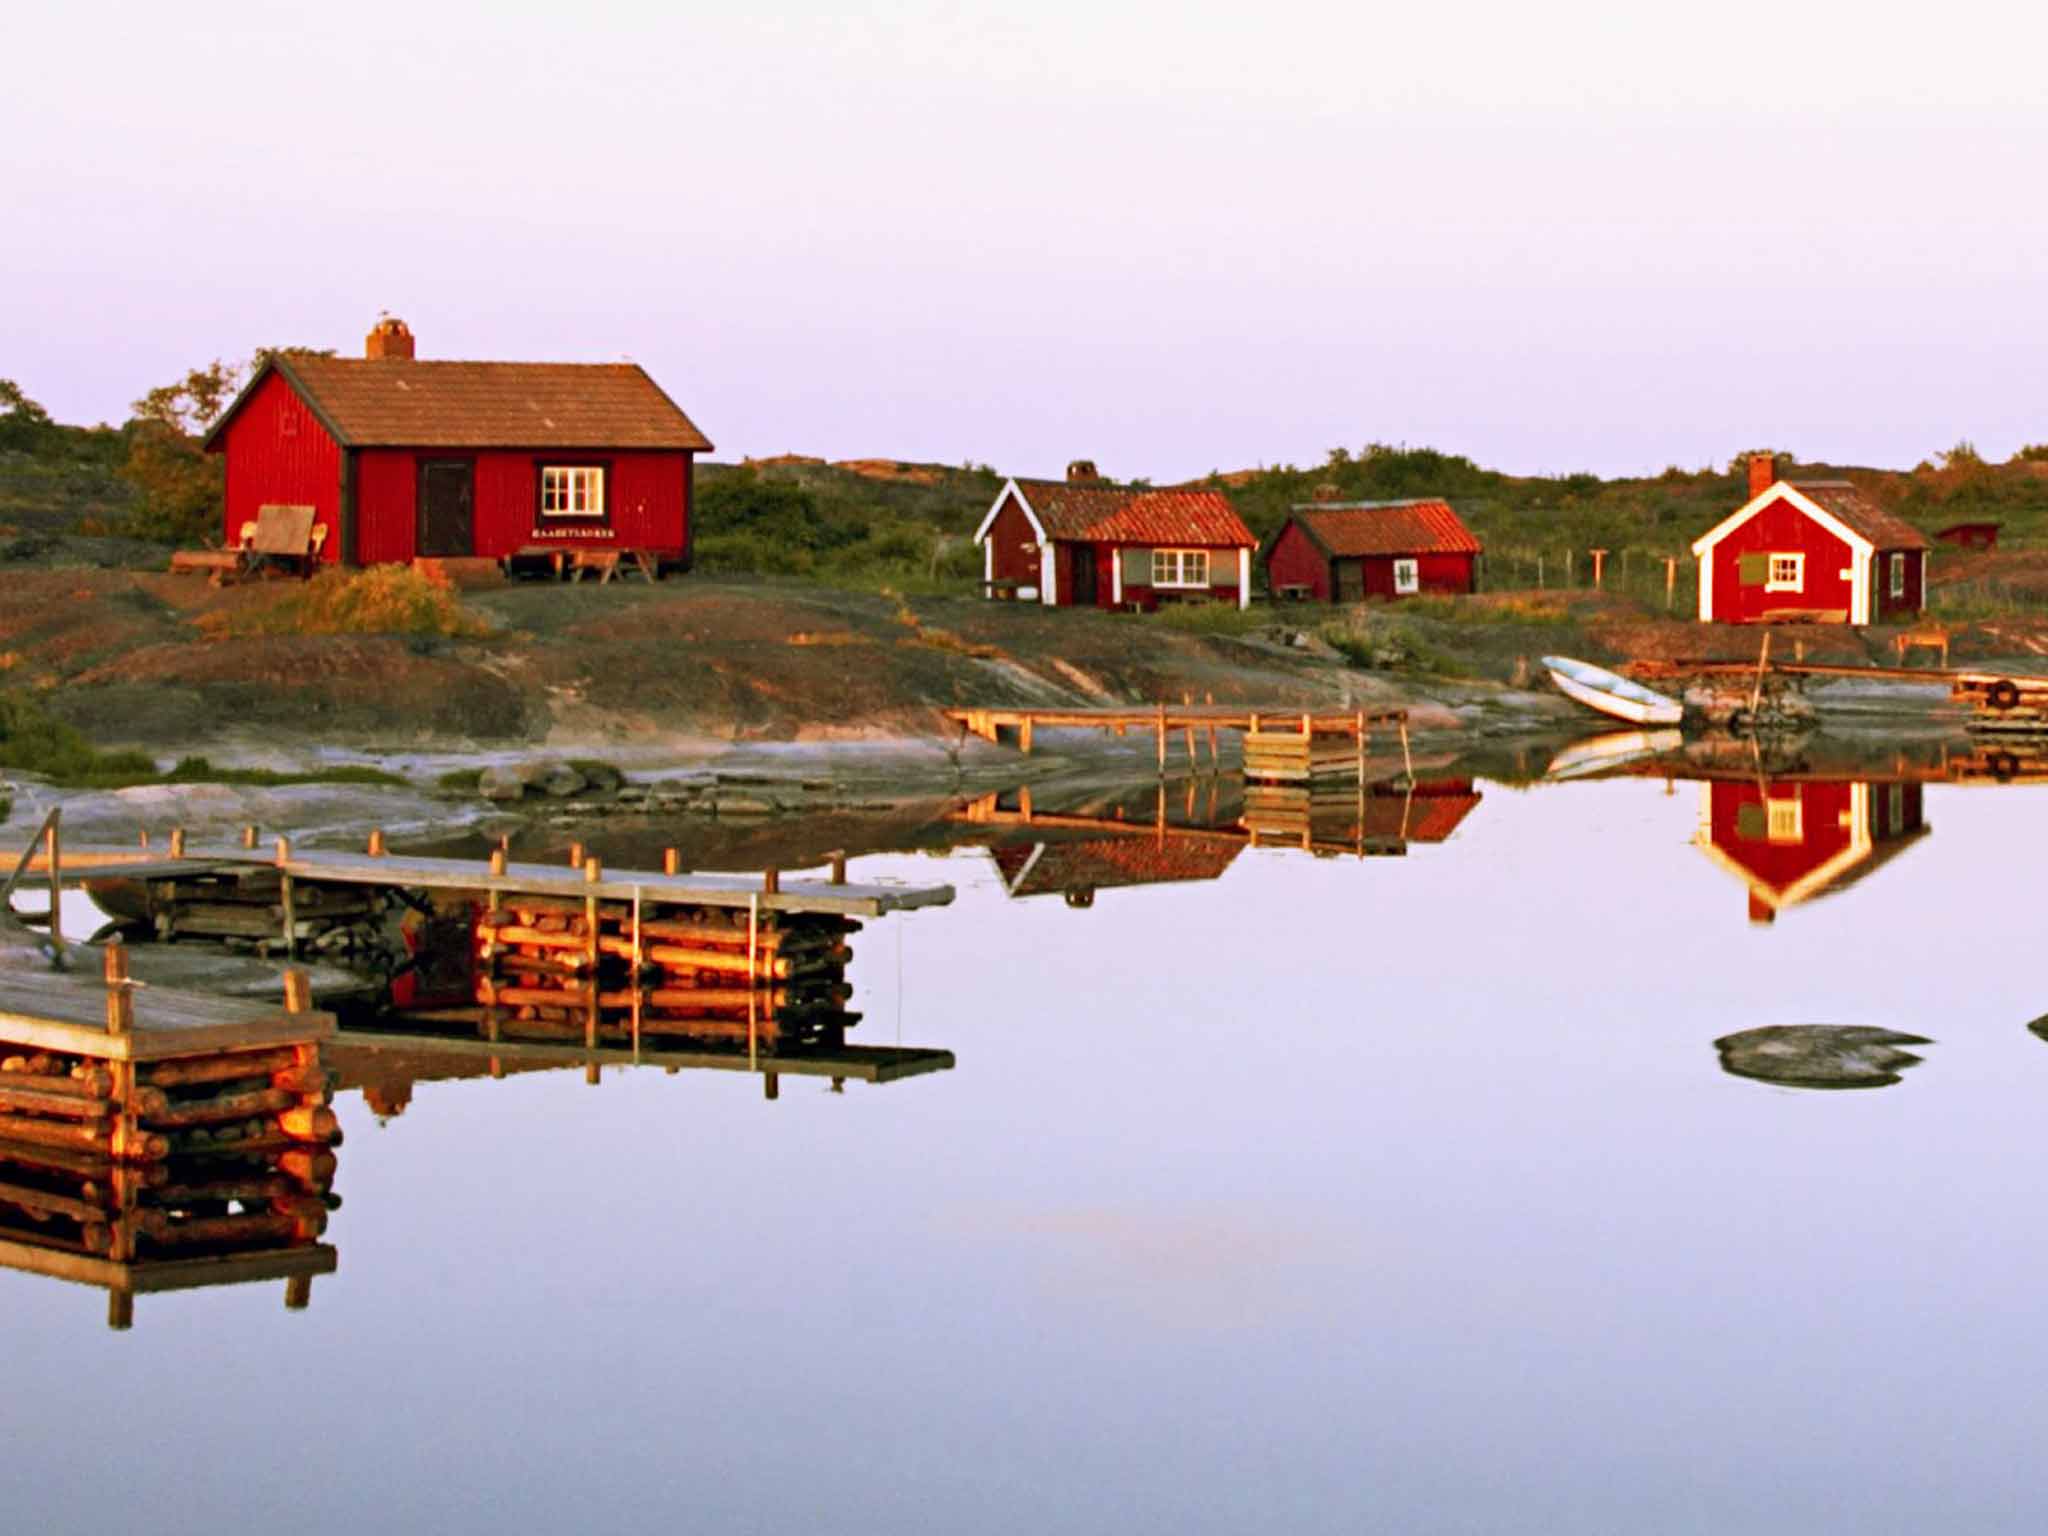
[
  {"x": 1792, "y": 841},
  {"x": 1347, "y": 551},
  {"x": 1087, "y": 543},
  {"x": 1983, "y": 535},
  {"x": 401, "y": 459},
  {"x": 1818, "y": 550}
]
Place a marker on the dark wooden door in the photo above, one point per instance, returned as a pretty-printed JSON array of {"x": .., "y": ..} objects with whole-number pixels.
[
  {"x": 446, "y": 525},
  {"x": 1350, "y": 581},
  {"x": 1083, "y": 574}
]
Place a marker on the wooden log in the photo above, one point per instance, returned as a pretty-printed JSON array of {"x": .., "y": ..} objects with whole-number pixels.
[
  {"x": 309, "y": 1122},
  {"x": 311, "y": 1167},
  {"x": 46, "y": 1204},
  {"x": 230, "y": 1106},
  {"x": 30, "y": 1101},
  {"x": 93, "y": 1083},
  {"x": 183, "y": 1071}
]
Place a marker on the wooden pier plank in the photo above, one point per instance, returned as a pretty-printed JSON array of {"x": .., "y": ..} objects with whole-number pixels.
[
  {"x": 57, "y": 1011},
  {"x": 153, "y": 1276},
  {"x": 857, "y": 1063}
]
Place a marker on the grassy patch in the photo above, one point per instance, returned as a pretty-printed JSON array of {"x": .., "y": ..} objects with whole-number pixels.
[
  {"x": 383, "y": 600},
  {"x": 32, "y": 740},
  {"x": 461, "y": 781},
  {"x": 1211, "y": 618}
]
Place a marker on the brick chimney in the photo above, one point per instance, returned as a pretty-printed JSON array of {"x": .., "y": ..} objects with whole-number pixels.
[
  {"x": 1082, "y": 472},
  {"x": 1763, "y": 472},
  {"x": 388, "y": 338}
]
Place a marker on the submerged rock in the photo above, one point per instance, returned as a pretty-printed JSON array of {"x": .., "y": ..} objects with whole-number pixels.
[{"x": 1819, "y": 1055}]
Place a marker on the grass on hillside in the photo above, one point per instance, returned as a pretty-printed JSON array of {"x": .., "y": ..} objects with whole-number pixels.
[
  {"x": 382, "y": 600},
  {"x": 32, "y": 740}
]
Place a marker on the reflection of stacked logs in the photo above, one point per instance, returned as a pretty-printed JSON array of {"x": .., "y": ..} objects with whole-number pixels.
[
  {"x": 196, "y": 1155},
  {"x": 546, "y": 973}
]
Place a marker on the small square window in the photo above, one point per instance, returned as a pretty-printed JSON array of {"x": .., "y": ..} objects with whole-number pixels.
[
  {"x": 1787, "y": 574},
  {"x": 1180, "y": 568},
  {"x": 1785, "y": 821},
  {"x": 1407, "y": 576},
  {"x": 573, "y": 490}
]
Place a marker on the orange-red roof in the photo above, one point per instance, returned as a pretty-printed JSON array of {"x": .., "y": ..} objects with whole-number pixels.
[
  {"x": 405, "y": 403},
  {"x": 1117, "y": 514},
  {"x": 1346, "y": 529}
]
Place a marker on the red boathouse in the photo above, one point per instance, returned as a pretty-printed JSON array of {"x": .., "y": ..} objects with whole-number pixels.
[
  {"x": 1815, "y": 550},
  {"x": 1347, "y": 551},
  {"x": 1087, "y": 543},
  {"x": 401, "y": 459}
]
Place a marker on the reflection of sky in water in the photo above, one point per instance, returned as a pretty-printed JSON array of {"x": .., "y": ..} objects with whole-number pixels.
[{"x": 1397, "y": 1194}]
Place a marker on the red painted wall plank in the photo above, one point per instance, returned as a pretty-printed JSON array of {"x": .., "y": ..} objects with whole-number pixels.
[{"x": 276, "y": 453}]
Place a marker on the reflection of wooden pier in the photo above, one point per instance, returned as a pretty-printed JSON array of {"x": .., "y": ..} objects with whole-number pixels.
[{"x": 1338, "y": 736}]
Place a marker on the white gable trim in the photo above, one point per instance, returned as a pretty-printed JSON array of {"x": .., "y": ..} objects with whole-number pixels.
[
  {"x": 1861, "y": 550},
  {"x": 1783, "y": 491},
  {"x": 1010, "y": 488}
]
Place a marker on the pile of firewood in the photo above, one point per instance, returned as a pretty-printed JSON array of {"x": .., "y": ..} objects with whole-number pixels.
[
  {"x": 198, "y": 1155},
  {"x": 544, "y": 972}
]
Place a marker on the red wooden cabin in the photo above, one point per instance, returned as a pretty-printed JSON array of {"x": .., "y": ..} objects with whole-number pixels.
[
  {"x": 1979, "y": 535},
  {"x": 1792, "y": 840},
  {"x": 402, "y": 459},
  {"x": 1084, "y": 542},
  {"x": 1817, "y": 550},
  {"x": 1347, "y": 551}
]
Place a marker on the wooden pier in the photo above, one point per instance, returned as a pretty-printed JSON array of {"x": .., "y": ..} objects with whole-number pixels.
[{"x": 1269, "y": 733}]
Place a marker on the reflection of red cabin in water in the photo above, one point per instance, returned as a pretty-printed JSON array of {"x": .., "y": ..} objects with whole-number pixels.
[
  {"x": 1429, "y": 815},
  {"x": 1793, "y": 841},
  {"x": 1078, "y": 869}
]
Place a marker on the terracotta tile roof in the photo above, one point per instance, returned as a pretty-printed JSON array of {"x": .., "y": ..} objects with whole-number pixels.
[
  {"x": 1345, "y": 529},
  {"x": 1866, "y": 517},
  {"x": 402, "y": 403},
  {"x": 1431, "y": 815},
  {"x": 1117, "y": 514},
  {"x": 1037, "y": 869}
]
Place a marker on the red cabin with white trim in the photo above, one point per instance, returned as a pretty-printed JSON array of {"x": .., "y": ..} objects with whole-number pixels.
[
  {"x": 1792, "y": 840},
  {"x": 1084, "y": 542},
  {"x": 1348, "y": 551},
  {"x": 1811, "y": 550},
  {"x": 401, "y": 459}
]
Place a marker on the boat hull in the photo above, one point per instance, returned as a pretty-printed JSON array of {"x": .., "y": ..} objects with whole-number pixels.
[{"x": 1613, "y": 695}]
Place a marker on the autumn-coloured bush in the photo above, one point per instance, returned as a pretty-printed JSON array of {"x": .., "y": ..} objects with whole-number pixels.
[{"x": 383, "y": 600}]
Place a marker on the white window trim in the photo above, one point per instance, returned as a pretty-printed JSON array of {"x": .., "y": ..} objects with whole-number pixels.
[
  {"x": 592, "y": 476},
  {"x": 1412, "y": 569},
  {"x": 1785, "y": 820},
  {"x": 1772, "y": 583},
  {"x": 1895, "y": 575},
  {"x": 1180, "y": 558}
]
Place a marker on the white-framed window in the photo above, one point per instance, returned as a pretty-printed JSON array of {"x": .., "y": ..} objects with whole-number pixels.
[
  {"x": 1787, "y": 573},
  {"x": 1407, "y": 576},
  {"x": 1785, "y": 821},
  {"x": 1897, "y": 566},
  {"x": 1180, "y": 568},
  {"x": 572, "y": 490}
]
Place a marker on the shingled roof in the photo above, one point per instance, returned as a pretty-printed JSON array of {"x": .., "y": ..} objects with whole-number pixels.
[
  {"x": 1037, "y": 869},
  {"x": 1843, "y": 501},
  {"x": 1098, "y": 512},
  {"x": 403, "y": 403},
  {"x": 1348, "y": 529}
]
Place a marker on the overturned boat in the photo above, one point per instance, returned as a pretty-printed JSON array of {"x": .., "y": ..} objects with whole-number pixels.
[{"x": 1611, "y": 693}]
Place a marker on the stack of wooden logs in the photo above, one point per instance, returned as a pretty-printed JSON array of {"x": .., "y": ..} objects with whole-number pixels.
[
  {"x": 555, "y": 970},
  {"x": 189, "y": 1156},
  {"x": 248, "y": 908}
]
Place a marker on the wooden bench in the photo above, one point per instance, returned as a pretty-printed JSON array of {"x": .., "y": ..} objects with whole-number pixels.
[
  {"x": 571, "y": 562},
  {"x": 283, "y": 538}
]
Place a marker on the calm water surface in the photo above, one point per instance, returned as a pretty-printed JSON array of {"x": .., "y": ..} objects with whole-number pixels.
[{"x": 1387, "y": 1194}]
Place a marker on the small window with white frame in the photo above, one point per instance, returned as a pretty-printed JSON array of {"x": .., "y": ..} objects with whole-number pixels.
[
  {"x": 1407, "y": 576},
  {"x": 1787, "y": 574},
  {"x": 572, "y": 490},
  {"x": 1897, "y": 568},
  {"x": 1785, "y": 820},
  {"x": 1180, "y": 568}
]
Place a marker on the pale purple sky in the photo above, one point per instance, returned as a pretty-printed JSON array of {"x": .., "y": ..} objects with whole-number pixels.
[{"x": 1168, "y": 237}]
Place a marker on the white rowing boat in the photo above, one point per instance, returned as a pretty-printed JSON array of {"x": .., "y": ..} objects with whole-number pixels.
[{"x": 1611, "y": 693}]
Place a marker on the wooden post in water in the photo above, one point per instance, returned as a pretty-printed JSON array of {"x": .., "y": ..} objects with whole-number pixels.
[
  {"x": 839, "y": 867},
  {"x": 753, "y": 984},
  {"x": 498, "y": 861},
  {"x": 376, "y": 842},
  {"x": 249, "y": 835},
  {"x": 120, "y": 1310},
  {"x": 298, "y": 1293},
  {"x": 291, "y": 915},
  {"x": 575, "y": 855},
  {"x": 120, "y": 995},
  {"x": 177, "y": 842},
  {"x": 593, "y": 871},
  {"x": 1756, "y": 694},
  {"x": 1024, "y": 734},
  {"x": 771, "y": 1086},
  {"x": 639, "y": 982},
  {"x": 771, "y": 881},
  {"x": 1162, "y": 737},
  {"x": 1407, "y": 761}
]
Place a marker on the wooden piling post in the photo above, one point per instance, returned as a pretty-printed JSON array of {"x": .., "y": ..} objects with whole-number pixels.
[
  {"x": 671, "y": 861},
  {"x": 249, "y": 835},
  {"x": 1162, "y": 737},
  {"x": 376, "y": 842},
  {"x": 1024, "y": 735},
  {"x": 298, "y": 1293},
  {"x": 839, "y": 867},
  {"x": 120, "y": 993},
  {"x": 771, "y": 881},
  {"x": 1599, "y": 567},
  {"x": 53, "y": 853},
  {"x": 771, "y": 1086},
  {"x": 1407, "y": 760},
  {"x": 593, "y": 1074},
  {"x": 753, "y": 984},
  {"x": 1756, "y": 694},
  {"x": 298, "y": 990},
  {"x": 639, "y": 982},
  {"x": 575, "y": 855},
  {"x": 498, "y": 861},
  {"x": 1358, "y": 738},
  {"x": 120, "y": 1310}
]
